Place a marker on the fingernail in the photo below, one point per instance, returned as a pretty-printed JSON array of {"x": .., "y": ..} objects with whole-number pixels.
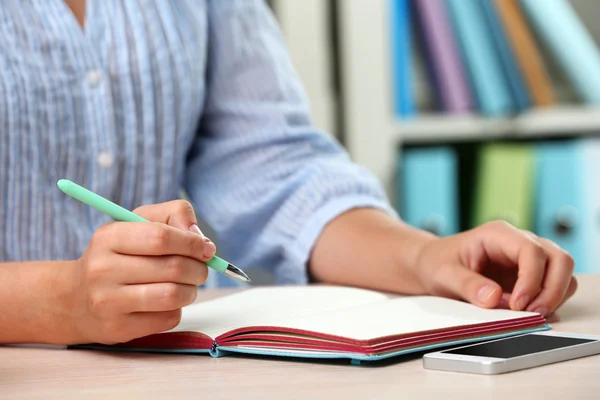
[
  {"x": 194, "y": 228},
  {"x": 522, "y": 302},
  {"x": 209, "y": 250},
  {"x": 541, "y": 310},
  {"x": 485, "y": 293}
]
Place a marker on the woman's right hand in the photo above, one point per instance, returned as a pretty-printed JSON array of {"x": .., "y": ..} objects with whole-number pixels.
[{"x": 134, "y": 278}]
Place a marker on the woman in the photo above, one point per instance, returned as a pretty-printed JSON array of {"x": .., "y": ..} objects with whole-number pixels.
[{"x": 139, "y": 99}]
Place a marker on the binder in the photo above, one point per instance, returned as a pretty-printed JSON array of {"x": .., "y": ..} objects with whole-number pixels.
[
  {"x": 570, "y": 42},
  {"x": 509, "y": 64},
  {"x": 404, "y": 102},
  {"x": 504, "y": 184},
  {"x": 476, "y": 44},
  {"x": 527, "y": 54},
  {"x": 427, "y": 189},
  {"x": 591, "y": 215},
  {"x": 446, "y": 67},
  {"x": 560, "y": 210}
]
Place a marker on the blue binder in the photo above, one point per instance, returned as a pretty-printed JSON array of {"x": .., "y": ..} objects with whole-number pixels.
[
  {"x": 560, "y": 214},
  {"x": 428, "y": 189},
  {"x": 483, "y": 63},
  {"x": 511, "y": 70},
  {"x": 404, "y": 103},
  {"x": 591, "y": 214}
]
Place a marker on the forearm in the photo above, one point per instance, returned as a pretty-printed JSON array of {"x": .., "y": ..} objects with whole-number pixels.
[
  {"x": 31, "y": 299},
  {"x": 354, "y": 250}
]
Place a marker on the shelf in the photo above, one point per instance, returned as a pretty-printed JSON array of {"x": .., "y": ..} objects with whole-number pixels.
[{"x": 562, "y": 120}]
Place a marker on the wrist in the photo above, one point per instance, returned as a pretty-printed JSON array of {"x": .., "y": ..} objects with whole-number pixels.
[
  {"x": 414, "y": 242},
  {"x": 65, "y": 301},
  {"x": 368, "y": 248},
  {"x": 409, "y": 245},
  {"x": 55, "y": 318}
]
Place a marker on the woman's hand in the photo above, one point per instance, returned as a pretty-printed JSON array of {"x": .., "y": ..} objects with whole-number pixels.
[
  {"x": 134, "y": 278},
  {"x": 498, "y": 265},
  {"x": 493, "y": 265}
]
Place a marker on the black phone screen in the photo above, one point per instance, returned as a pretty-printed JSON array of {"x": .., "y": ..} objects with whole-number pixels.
[{"x": 518, "y": 346}]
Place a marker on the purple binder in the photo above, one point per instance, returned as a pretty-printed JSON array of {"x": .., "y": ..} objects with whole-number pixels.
[{"x": 443, "y": 53}]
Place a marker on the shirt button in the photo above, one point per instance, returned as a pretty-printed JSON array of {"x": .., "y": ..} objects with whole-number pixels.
[
  {"x": 94, "y": 77},
  {"x": 105, "y": 159}
]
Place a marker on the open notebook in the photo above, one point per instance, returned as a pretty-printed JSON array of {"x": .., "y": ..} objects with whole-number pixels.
[{"x": 329, "y": 322}]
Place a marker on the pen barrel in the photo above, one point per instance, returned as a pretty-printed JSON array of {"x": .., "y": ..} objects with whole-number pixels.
[
  {"x": 121, "y": 214},
  {"x": 218, "y": 264}
]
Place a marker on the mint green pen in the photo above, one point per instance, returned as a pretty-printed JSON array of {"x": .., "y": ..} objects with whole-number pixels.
[{"x": 121, "y": 214}]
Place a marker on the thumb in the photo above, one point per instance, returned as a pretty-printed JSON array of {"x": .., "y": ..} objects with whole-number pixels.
[{"x": 462, "y": 283}]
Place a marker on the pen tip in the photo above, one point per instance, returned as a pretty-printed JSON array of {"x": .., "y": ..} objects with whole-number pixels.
[{"x": 237, "y": 273}]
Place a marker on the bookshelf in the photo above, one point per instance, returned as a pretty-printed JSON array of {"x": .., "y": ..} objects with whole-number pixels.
[
  {"x": 373, "y": 133},
  {"x": 564, "y": 120}
]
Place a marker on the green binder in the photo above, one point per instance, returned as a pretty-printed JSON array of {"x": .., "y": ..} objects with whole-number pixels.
[{"x": 505, "y": 184}]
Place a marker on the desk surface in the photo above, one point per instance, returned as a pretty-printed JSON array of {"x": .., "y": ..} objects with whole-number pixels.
[{"x": 27, "y": 373}]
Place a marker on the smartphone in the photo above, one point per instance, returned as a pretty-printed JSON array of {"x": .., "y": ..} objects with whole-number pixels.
[{"x": 514, "y": 353}]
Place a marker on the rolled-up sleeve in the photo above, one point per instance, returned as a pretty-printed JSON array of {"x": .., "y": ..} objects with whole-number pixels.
[{"x": 259, "y": 172}]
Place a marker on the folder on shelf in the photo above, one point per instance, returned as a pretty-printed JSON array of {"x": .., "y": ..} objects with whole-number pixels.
[
  {"x": 510, "y": 67},
  {"x": 428, "y": 189},
  {"x": 504, "y": 184},
  {"x": 570, "y": 42},
  {"x": 444, "y": 60},
  {"x": 404, "y": 102},
  {"x": 590, "y": 172},
  {"x": 559, "y": 208},
  {"x": 527, "y": 53},
  {"x": 477, "y": 49}
]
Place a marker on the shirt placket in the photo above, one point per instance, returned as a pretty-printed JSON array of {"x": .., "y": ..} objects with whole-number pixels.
[{"x": 98, "y": 108}]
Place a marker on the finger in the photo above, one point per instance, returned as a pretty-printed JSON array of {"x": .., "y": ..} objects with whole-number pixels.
[
  {"x": 513, "y": 248},
  {"x": 160, "y": 269},
  {"x": 155, "y": 297},
  {"x": 456, "y": 281},
  {"x": 553, "y": 316},
  {"x": 177, "y": 213},
  {"x": 152, "y": 239},
  {"x": 573, "y": 284},
  {"x": 570, "y": 292},
  {"x": 557, "y": 281},
  {"x": 137, "y": 325}
]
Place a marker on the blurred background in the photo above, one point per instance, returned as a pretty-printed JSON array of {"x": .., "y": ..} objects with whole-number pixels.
[{"x": 467, "y": 110}]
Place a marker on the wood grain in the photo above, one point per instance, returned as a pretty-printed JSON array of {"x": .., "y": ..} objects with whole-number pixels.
[{"x": 55, "y": 373}]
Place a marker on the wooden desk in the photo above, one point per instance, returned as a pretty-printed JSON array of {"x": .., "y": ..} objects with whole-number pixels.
[{"x": 28, "y": 373}]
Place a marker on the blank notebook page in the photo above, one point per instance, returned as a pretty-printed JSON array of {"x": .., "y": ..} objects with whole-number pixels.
[
  {"x": 270, "y": 306},
  {"x": 399, "y": 316}
]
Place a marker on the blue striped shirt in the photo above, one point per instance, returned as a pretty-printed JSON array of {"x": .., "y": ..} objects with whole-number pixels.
[{"x": 153, "y": 97}]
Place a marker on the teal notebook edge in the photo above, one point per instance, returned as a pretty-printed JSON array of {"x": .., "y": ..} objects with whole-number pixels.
[{"x": 354, "y": 358}]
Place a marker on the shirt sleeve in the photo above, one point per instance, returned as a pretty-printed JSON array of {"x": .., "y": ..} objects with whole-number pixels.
[{"x": 259, "y": 173}]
